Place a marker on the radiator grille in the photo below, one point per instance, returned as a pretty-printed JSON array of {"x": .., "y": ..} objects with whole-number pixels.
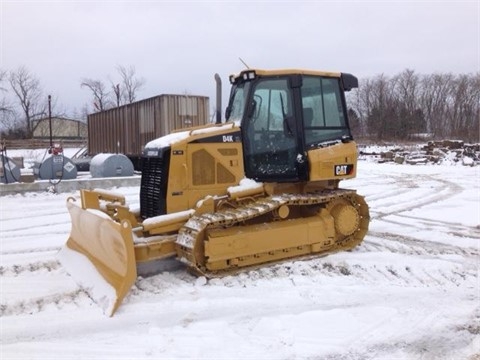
[{"x": 154, "y": 184}]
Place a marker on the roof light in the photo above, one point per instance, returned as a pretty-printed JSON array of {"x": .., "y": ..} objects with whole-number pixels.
[
  {"x": 249, "y": 75},
  {"x": 245, "y": 76}
]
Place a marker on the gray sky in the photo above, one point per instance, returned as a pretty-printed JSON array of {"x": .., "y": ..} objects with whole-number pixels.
[{"x": 177, "y": 46}]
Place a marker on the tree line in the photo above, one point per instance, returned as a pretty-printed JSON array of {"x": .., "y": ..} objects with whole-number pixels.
[
  {"x": 23, "y": 100},
  {"x": 405, "y": 106},
  {"x": 410, "y": 106}
]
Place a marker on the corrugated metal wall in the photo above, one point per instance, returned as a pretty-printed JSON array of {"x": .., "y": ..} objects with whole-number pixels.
[{"x": 128, "y": 128}]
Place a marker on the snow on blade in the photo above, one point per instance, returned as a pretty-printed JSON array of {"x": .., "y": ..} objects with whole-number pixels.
[{"x": 85, "y": 274}]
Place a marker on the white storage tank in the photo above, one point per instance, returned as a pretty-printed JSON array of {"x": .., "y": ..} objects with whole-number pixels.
[{"x": 111, "y": 165}]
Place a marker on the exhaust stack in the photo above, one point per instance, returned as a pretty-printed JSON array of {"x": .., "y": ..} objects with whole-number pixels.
[{"x": 218, "y": 109}]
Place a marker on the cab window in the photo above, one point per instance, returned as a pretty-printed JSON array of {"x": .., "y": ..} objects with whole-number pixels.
[{"x": 323, "y": 112}]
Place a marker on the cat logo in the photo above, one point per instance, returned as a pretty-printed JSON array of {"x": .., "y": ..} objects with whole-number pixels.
[
  {"x": 227, "y": 138},
  {"x": 342, "y": 170}
]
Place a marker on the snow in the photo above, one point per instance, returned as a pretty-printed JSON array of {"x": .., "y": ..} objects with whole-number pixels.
[
  {"x": 168, "y": 218},
  {"x": 410, "y": 291},
  {"x": 167, "y": 140},
  {"x": 99, "y": 159},
  {"x": 177, "y": 137},
  {"x": 78, "y": 266},
  {"x": 246, "y": 186}
]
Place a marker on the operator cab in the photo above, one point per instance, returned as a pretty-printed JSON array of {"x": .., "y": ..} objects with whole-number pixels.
[{"x": 283, "y": 114}]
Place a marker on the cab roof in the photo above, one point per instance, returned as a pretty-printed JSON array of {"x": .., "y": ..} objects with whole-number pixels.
[{"x": 262, "y": 72}]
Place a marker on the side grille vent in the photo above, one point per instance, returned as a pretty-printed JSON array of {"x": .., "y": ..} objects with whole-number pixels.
[{"x": 153, "y": 190}]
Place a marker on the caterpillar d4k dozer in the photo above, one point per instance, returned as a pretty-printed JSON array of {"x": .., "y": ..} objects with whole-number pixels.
[{"x": 261, "y": 187}]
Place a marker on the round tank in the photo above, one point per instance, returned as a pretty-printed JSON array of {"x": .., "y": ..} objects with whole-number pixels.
[
  {"x": 57, "y": 167},
  {"x": 110, "y": 165},
  {"x": 9, "y": 171}
]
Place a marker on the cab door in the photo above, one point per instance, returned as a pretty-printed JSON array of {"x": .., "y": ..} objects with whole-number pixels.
[{"x": 269, "y": 131}]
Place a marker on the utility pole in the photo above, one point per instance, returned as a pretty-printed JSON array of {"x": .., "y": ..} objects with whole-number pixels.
[{"x": 50, "y": 120}]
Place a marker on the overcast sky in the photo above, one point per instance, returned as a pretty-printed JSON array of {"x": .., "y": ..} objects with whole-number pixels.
[{"x": 177, "y": 46}]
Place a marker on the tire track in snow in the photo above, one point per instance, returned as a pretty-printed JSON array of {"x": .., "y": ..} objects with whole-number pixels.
[
  {"x": 31, "y": 267},
  {"x": 453, "y": 228},
  {"x": 397, "y": 203},
  {"x": 317, "y": 270},
  {"x": 43, "y": 211},
  {"x": 408, "y": 245},
  {"x": 36, "y": 305},
  {"x": 39, "y": 228},
  {"x": 31, "y": 250}
]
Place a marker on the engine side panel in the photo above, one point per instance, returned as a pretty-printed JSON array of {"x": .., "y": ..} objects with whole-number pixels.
[
  {"x": 202, "y": 167},
  {"x": 335, "y": 162}
]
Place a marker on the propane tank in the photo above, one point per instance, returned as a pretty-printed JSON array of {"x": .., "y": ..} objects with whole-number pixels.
[
  {"x": 57, "y": 166},
  {"x": 9, "y": 170}
]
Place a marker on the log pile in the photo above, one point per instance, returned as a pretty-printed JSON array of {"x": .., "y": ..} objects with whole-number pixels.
[{"x": 450, "y": 152}]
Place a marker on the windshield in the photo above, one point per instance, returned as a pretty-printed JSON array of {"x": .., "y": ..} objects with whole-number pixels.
[{"x": 238, "y": 98}]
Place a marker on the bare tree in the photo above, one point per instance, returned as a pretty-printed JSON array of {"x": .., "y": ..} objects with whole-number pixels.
[
  {"x": 406, "y": 104},
  {"x": 410, "y": 117},
  {"x": 434, "y": 100},
  {"x": 4, "y": 107},
  {"x": 130, "y": 84},
  {"x": 3, "y": 77},
  {"x": 465, "y": 107},
  {"x": 29, "y": 94},
  {"x": 8, "y": 121},
  {"x": 99, "y": 92},
  {"x": 117, "y": 92}
]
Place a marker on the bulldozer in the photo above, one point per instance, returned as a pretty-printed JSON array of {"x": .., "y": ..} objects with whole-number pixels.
[{"x": 259, "y": 187}]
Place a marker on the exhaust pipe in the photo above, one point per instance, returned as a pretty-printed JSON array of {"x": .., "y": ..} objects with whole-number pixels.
[{"x": 218, "y": 109}]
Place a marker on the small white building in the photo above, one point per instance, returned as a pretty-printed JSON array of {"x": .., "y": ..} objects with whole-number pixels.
[{"x": 62, "y": 128}]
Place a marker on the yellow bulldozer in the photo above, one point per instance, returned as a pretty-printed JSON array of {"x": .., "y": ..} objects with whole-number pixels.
[{"x": 260, "y": 187}]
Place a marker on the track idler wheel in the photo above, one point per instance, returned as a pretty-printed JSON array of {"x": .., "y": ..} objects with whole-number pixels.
[{"x": 346, "y": 217}]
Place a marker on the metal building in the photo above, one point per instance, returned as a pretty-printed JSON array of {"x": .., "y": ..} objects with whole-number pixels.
[
  {"x": 126, "y": 129},
  {"x": 62, "y": 128}
]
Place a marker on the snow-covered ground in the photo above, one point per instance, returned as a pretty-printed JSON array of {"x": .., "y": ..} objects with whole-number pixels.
[{"x": 410, "y": 291}]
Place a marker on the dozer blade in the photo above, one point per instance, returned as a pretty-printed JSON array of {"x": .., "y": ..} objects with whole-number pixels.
[{"x": 103, "y": 257}]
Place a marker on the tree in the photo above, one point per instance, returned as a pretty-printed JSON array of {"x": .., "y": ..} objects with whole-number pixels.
[
  {"x": 465, "y": 107},
  {"x": 130, "y": 84},
  {"x": 4, "y": 106},
  {"x": 355, "y": 122},
  {"x": 28, "y": 91},
  {"x": 7, "y": 114},
  {"x": 118, "y": 93},
  {"x": 398, "y": 107},
  {"x": 434, "y": 100},
  {"x": 410, "y": 119},
  {"x": 122, "y": 92},
  {"x": 99, "y": 91}
]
